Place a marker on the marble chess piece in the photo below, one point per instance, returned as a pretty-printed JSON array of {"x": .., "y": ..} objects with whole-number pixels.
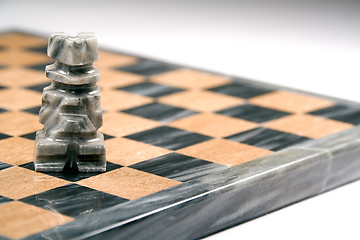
[{"x": 71, "y": 111}]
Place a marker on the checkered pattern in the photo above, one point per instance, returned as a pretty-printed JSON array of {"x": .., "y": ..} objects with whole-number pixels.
[{"x": 163, "y": 125}]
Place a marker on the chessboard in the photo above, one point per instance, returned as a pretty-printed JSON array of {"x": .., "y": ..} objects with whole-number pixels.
[{"x": 189, "y": 152}]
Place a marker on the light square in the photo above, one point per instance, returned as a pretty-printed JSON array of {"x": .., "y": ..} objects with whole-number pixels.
[
  {"x": 113, "y": 79},
  {"x": 16, "y": 99},
  {"x": 224, "y": 152},
  {"x": 129, "y": 183},
  {"x": 203, "y": 101},
  {"x": 19, "y": 123},
  {"x": 16, "y": 150},
  {"x": 18, "y": 182},
  {"x": 291, "y": 102},
  {"x": 308, "y": 125},
  {"x": 109, "y": 59},
  {"x": 19, "y": 220},
  {"x": 19, "y": 77},
  {"x": 19, "y": 57},
  {"x": 214, "y": 125},
  {"x": 15, "y": 40},
  {"x": 121, "y": 124},
  {"x": 191, "y": 79},
  {"x": 127, "y": 152},
  {"x": 113, "y": 100}
]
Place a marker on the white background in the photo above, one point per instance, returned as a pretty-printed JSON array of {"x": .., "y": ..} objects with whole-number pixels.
[{"x": 309, "y": 45}]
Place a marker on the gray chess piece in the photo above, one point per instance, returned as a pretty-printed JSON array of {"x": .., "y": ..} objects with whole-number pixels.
[{"x": 71, "y": 111}]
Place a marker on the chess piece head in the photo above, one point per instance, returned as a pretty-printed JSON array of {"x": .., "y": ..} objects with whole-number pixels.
[
  {"x": 74, "y": 57},
  {"x": 73, "y": 51}
]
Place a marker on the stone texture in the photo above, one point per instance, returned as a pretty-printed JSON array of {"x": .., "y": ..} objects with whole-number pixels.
[
  {"x": 73, "y": 51},
  {"x": 69, "y": 75},
  {"x": 71, "y": 111}
]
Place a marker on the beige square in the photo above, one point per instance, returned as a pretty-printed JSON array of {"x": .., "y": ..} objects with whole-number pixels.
[
  {"x": 18, "y": 182},
  {"x": 191, "y": 79},
  {"x": 128, "y": 183},
  {"x": 19, "y": 123},
  {"x": 16, "y": 150},
  {"x": 121, "y": 124},
  {"x": 214, "y": 125},
  {"x": 19, "y": 220},
  {"x": 203, "y": 101},
  {"x": 21, "y": 40},
  {"x": 291, "y": 102},
  {"x": 20, "y": 57},
  {"x": 18, "y": 77},
  {"x": 127, "y": 152},
  {"x": 113, "y": 100},
  {"x": 16, "y": 99},
  {"x": 308, "y": 125},
  {"x": 109, "y": 59},
  {"x": 114, "y": 79},
  {"x": 224, "y": 152}
]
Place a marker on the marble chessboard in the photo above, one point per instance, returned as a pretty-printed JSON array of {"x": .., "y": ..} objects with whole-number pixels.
[{"x": 189, "y": 152}]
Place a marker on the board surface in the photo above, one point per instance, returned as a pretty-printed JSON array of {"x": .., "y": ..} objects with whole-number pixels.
[{"x": 178, "y": 140}]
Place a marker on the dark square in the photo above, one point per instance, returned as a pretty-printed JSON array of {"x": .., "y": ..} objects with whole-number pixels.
[
  {"x": 34, "y": 110},
  {"x": 241, "y": 90},
  {"x": 253, "y": 113},
  {"x": 148, "y": 67},
  {"x": 151, "y": 89},
  {"x": 267, "y": 138},
  {"x": 4, "y": 238},
  {"x": 178, "y": 167},
  {"x": 4, "y": 136},
  {"x": 41, "y": 49},
  {"x": 339, "y": 112},
  {"x": 1, "y": 87},
  {"x": 74, "y": 200},
  {"x": 38, "y": 87},
  {"x": 39, "y": 67},
  {"x": 4, "y": 165},
  {"x": 168, "y": 137},
  {"x": 160, "y": 112},
  {"x": 4, "y": 200},
  {"x": 73, "y": 176},
  {"x": 30, "y": 136},
  {"x": 106, "y": 136}
]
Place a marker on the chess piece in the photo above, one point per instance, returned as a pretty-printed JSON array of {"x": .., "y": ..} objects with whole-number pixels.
[{"x": 71, "y": 111}]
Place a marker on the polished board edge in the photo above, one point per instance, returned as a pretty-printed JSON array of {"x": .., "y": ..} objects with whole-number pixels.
[{"x": 213, "y": 203}]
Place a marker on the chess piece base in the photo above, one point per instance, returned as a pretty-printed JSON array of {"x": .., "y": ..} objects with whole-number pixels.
[{"x": 57, "y": 156}]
